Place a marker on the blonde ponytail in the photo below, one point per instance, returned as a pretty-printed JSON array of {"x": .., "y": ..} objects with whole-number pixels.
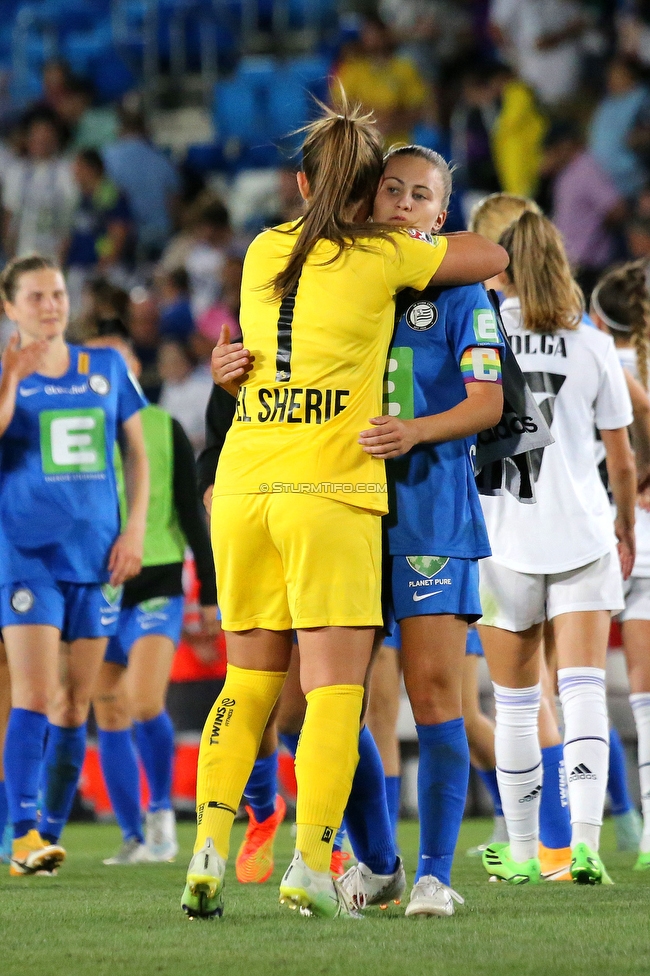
[{"x": 539, "y": 270}]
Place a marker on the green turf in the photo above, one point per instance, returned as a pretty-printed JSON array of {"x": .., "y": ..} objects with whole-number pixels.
[{"x": 113, "y": 921}]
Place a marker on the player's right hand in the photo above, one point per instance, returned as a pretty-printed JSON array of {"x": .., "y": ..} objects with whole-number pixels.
[
  {"x": 626, "y": 547},
  {"x": 231, "y": 363},
  {"x": 21, "y": 363}
]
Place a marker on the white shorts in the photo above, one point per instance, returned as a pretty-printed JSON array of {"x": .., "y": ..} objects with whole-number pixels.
[
  {"x": 515, "y": 601},
  {"x": 636, "y": 591}
]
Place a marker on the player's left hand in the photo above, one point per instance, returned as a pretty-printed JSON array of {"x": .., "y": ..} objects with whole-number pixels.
[
  {"x": 125, "y": 560},
  {"x": 389, "y": 438}
]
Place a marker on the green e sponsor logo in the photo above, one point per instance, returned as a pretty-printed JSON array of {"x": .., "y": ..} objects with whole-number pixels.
[
  {"x": 398, "y": 383},
  {"x": 485, "y": 325},
  {"x": 73, "y": 441}
]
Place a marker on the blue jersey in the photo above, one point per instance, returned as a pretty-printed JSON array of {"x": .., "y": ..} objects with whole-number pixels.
[
  {"x": 434, "y": 504},
  {"x": 59, "y": 514}
]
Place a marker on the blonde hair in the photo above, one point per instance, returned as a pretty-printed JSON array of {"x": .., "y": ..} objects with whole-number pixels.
[
  {"x": 494, "y": 213},
  {"x": 539, "y": 270},
  {"x": 621, "y": 299},
  {"x": 343, "y": 161}
]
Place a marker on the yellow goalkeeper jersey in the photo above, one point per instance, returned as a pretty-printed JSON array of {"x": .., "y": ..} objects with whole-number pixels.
[{"x": 320, "y": 357}]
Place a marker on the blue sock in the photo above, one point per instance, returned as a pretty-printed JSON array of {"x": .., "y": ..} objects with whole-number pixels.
[
  {"x": 155, "y": 742},
  {"x": 64, "y": 757},
  {"x": 489, "y": 778},
  {"x": 366, "y": 816},
  {"x": 339, "y": 840},
  {"x": 262, "y": 787},
  {"x": 393, "y": 789},
  {"x": 4, "y": 809},
  {"x": 122, "y": 777},
  {"x": 617, "y": 781},
  {"x": 23, "y": 758},
  {"x": 290, "y": 741},
  {"x": 443, "y": 775},
  {"x": 554, "y": 817}
]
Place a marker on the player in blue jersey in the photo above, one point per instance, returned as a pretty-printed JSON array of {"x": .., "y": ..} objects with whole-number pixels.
[
  {"x": 443, "y": 386},
  {"x": 63, "y": 559}
]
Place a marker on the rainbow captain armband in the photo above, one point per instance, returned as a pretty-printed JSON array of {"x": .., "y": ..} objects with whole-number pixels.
[{"x": 481, "y": 364}]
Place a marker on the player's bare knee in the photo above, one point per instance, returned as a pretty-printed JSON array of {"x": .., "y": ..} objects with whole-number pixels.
[{"x": 143, "y": 710}]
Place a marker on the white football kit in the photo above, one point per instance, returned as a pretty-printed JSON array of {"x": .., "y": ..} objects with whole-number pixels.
[
  {"x": 565, "y": 541},
  {"x": 636, "y": 589}
]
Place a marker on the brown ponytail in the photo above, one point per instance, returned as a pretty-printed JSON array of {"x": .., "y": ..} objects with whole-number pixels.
[
  {"x": 539, "y": 270},
  {"x": 343, "y": 161},
  {"x": 621, "y": 299}
]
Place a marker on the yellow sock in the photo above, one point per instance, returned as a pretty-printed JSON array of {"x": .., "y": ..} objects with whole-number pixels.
[
  {"x": 327, "y": 756},
  {"x": 229, "y": 745}
]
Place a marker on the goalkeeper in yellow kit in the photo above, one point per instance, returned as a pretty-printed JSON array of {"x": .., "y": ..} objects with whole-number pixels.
[{"x": 297, "y": 502}]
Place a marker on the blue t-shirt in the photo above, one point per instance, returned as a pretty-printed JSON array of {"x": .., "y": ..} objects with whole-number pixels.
[
  {"x": 176, "y": 320},
  {"x": 59, "y": 514},
  {"x": 91, "y": 221},
  {"x": 434, "y": 504}
]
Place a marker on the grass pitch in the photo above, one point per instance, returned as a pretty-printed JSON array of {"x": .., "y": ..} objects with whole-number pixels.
[{"x": 93, "y": 920}]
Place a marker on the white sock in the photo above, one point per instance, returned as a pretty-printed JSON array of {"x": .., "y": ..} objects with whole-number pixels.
[
  {"x": 586, "y": 749},
  {"x": 519, "y": 766},
  {"x": 640, "y": 703}
]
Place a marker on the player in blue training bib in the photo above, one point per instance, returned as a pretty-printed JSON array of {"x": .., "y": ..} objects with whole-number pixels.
[
  {"x": 443, "y": 386},
  {"x": 63, "y": 559}
]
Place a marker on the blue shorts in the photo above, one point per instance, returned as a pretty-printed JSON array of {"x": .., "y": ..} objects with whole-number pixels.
[
  {"x": 473, "y": 645},
  {"x": 423, "y": 585},
  {"x": 78, "y": 610},
  {"x": 161, "y": 615}
]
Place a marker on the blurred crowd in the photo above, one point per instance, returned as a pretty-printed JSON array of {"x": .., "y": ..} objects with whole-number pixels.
[{"x": 544, "y": 98}]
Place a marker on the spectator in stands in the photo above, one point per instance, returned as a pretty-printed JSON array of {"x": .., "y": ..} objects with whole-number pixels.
[
  {"x": 290, "y": 205},
  {"x": 101, "y": 226},
  {"x": 212, "y": 236},
  {"x": 613, "y": 125},
  {"x": 587, "y": 207},
  {"x": 142, "y": 322},
  {"x": 91, "y": 127},
  {"x": 430, "y": 32},
  {"x": 56, "y": 78},
  {"x": 185, "y": 390},
  {"x": 541, "y": 40},
  {"x": 497, "y": 132},
  {"x": 637, "y": 231},
  {"x": 637, "y": 238},
  {"x": 176, "y": 321},
  {"x": 39, "y": 193},
  {"x": 224, "y": 312},
  {"x": 388, "y": 85},
  {"x": 149, "y": 180},
  {"x": 101, "y": 302}
]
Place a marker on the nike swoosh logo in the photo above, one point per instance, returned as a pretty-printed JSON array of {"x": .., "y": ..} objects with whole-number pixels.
[
  {"x": 106, "y": 621},
  {"x": 28, "y": 392},
  {"x": 26, "y": 806},
  {"x": 558, "y": 873},
  {"x": 424, "y": 596},
  {"x": 147, "y": 625}
]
